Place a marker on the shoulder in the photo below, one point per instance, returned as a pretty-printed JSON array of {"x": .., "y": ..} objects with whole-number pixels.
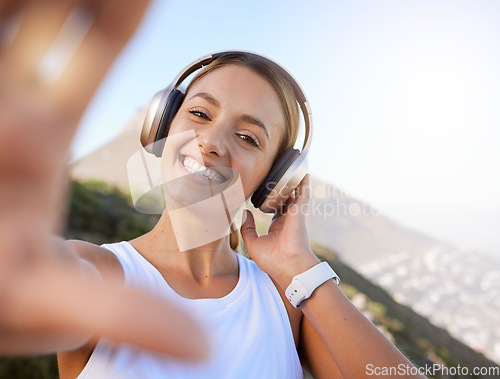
[{"x": 104, "y": 260}]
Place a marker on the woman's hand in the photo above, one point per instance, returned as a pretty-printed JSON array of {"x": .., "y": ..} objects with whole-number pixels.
[
  {"x": 49, "y": 298},
  {"x": 284, "y": 252},
  {"x": 53, "y": 300}
]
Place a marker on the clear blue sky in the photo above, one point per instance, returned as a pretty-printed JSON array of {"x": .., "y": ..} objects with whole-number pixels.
[{"x": 405, "y": 96}]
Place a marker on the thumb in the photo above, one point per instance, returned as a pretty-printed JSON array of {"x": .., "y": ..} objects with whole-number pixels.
[{"x": 248, "y": 231}]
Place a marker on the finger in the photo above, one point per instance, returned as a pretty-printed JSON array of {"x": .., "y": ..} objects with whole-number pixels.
[
  {"x": 277, "y": 215},
  {"x": 304, "y": 191},
  {"x": 294, "y": 198},
  {"x": 288, "y": 203},
  {"x": 114, "y": 23},
  {"x": 248, "y": 230},
  {"x": 9, "y": 8},
  {"x": 298, "y": 201},
  {"x": 83, "y": 308},
  {"x": 71, "y": 38},
  {"x": 22, "y": 238},
  {"x": 133, "y": 317}
]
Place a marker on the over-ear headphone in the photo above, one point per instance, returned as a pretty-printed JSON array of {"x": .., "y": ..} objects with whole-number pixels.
[{"x": 287, "y": 170}]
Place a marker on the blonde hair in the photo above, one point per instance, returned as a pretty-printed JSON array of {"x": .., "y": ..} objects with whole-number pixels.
[{"x": 284, "y": 89}]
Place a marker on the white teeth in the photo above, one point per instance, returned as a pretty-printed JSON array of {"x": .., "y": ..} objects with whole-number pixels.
[{"x": 195, "y": 168}]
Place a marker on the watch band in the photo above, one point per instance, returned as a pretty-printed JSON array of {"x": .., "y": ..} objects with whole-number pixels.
[{"x": 303, "y": 285}]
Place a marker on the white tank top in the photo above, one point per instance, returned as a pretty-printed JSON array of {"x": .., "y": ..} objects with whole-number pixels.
[{"x": 248, "y": 328}]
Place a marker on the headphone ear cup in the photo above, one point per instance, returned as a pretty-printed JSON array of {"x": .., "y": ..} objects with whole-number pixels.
[
  {"x": 280, "y": 166},
  {"x": 173, "y": 104}
]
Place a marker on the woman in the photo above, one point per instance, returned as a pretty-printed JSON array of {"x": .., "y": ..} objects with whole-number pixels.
[{"x": 254, "y": 329}]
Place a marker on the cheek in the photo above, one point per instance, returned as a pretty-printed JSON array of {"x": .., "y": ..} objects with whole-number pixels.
[
  {"x": 252, "y": 175},
  {"x": 178, "y": 125}
]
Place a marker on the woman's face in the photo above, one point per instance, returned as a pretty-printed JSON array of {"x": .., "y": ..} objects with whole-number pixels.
[{"x": 236, "y": 121}]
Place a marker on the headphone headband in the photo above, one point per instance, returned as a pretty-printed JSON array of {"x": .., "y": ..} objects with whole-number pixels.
[
  {"x": 198, "y": 64},
  {"x": 287, "y": 171}
]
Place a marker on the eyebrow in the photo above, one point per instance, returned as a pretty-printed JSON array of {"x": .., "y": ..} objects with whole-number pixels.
[
  {"x": 207, "y": 97},
  {"x": 246, "y": 118},
  {"x": 255, "y": 121}
]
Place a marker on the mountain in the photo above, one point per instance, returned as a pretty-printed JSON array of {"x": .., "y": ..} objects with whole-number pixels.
[
  {"x": 455, "y": 289},
  {"x": 353, "y": 228},
  {"x": 98, "y": 213},
  {"x": 108, "y": 163}
]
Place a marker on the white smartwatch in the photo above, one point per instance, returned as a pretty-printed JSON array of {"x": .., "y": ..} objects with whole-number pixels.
[{"x": 303, "y": 285}]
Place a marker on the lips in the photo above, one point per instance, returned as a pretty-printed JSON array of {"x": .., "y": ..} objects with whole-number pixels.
[{"x": 191, "y": 165}]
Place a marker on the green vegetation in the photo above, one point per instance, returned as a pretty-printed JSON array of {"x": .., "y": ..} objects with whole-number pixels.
[
  {"x": 101, "y": 214},
  {"x": 44, "y": 367},
  {"x": 98, "y": 213}
]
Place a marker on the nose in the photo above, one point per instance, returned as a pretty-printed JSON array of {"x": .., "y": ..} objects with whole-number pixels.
[{"x": 211, "y": 141}]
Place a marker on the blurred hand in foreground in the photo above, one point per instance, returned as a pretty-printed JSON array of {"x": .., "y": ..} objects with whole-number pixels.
[{"x": 53, "y": 55}]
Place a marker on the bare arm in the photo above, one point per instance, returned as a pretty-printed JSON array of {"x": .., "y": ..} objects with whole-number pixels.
[
  {"x": 47, "y": 78},
  {"x": 22, "y": 336},
  {"x": 79, "y": 294},
  {"x": 357, "y": 345},
  {"x": 314, "y": 354},
  {"x": 352, "y": 340}
]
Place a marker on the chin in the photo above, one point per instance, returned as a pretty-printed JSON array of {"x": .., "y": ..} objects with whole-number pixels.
[{"x": 178, "y": 194}]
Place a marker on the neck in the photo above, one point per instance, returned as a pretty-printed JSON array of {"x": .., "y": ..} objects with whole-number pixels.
[{"x": 189, "y": 242}]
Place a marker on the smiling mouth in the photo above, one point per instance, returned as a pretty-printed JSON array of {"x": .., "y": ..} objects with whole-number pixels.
[{"x": 195, "y": 168}]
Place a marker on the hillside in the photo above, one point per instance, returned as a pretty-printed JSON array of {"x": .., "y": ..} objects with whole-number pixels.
[
  {"x": 100, "y": 213},
  {"x": 358, "y": 232},
  {"x": 413, "y": 334},
  {"x": 422, "y": 272},
  {"x": 455, "y": 289}
]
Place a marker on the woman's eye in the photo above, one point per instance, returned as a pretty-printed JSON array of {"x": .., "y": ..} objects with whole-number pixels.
[
  {"x": 249, "y": 139},
  {"x": 199, "y": 113}
]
